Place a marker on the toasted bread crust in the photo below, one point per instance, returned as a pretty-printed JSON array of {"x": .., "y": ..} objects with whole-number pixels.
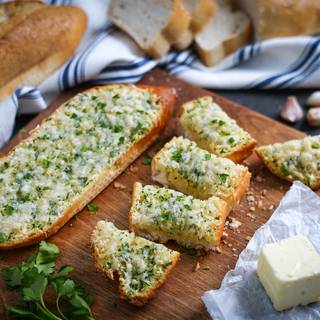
[
  {"x": 146, "y": 296},
  {"x": 205, "y": 10},
  {"x": 167, "y": 99}
]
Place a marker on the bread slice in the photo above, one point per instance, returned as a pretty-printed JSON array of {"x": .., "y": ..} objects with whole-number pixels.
[
  {"x": 204, "y": 122},
  {"x": 294, "y": 160},
  {"x": 141, "y": 265},
  {"x": 154, "y": 25},
  {"x": 35, "y": 39},
  {"x": 161, "y": 214},
  {"x": 182, "y": 165},
  {"x": 200, "y": 12},
  {"x": 227, "y": 31},
  {"x": 73, "y": 155}
]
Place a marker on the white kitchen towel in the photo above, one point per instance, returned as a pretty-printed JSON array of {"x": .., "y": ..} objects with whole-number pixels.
[{"x": 107, "y": 55}]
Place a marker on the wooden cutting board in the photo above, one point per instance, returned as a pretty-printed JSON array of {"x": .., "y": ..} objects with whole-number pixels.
[{"x": 180, "y": 297}]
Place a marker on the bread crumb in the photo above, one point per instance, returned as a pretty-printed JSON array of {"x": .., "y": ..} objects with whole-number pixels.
[
  {"x": 248, "y": 238},
  {"x": 229, "y": 245},
  {"x": 118, "y": 185},
  {"x": 252, "y": 209},
  {"x": 250, "y": 198},
  {"x": 260, "y": 204},
  {"x": 70, "y": 225},
  {"x": 259, "y": 179},
  {"x": 235, "y": 255},
  {"x": 196, "y": 267},
  {"x": 250, "y": 215},
  {"x": 134, "y": 169},
  {"x": 224, "y": 235},
  {"x": 281, "y": 188},
  {"x": 218, "y": 250},
  {"x": 234, "y": 249},
  {"x": 224, "y": 241},
  {"x": 233, "y": 223},
  {"x": 271, "y": 207},
  {"x": 263, "y": 192}
]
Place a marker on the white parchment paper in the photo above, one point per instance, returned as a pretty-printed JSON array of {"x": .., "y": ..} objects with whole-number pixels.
[{"x": 241, "y": 296}]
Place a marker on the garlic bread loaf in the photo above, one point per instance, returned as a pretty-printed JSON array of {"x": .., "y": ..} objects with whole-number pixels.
[
  {"x": 35, "y": 39},
  {"x": 183, "y": 166},
  {"x": 204, "y": 122},
  {"x": 73, "y": 155},
  {"x": 153, "y": 25},
  {"x": 142, "y": 265},
  {"x": 162, "y": 214},
  {"x": 294, "y": 160}
]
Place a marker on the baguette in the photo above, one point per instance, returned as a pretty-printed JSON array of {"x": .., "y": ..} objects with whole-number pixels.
[
  {"x": 226, "y": 32},
  {"x": 36, "y": 39},
  {"x": 294, "y": 160},
  {"x": 142, "y": 266},
  {"x": 204, "y": 122},
  {"x": 153, "y": 25},
  {"x": 279, "y": 18},
  {"x": 182, "y": 165},
  {"x": 161, "y": 214},
  {"x": 73, "y": 155}
]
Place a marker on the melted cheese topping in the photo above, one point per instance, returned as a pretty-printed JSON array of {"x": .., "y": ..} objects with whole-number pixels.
[
  {"x": 45, "y": 173},
  {"x": 191, "y": 170},
  {"x": 140, "y": 263},
  {"x": 174, "y": 216},
  {"x": 204, "y": 122},
  {"x": 295, "y": 159}
]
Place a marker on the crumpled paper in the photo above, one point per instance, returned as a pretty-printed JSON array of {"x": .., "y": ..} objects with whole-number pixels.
[{"x": 241, "y": 296}]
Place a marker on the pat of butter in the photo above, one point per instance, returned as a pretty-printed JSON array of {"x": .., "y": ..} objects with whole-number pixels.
[{"x": 289, "y": 270}]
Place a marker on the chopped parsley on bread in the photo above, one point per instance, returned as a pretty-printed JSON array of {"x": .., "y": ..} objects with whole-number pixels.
[
  {"x": 185, "y": 167},
  {"x": 162, "y": 214},
  {"x": 141, "y": 265},
  {"x": 204, "y": 122},
  {"x": 73, "y": 155},
  {"x": 294, "y": 160}
]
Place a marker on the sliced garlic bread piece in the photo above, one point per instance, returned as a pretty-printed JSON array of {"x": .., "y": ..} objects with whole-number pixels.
[
  {"x": 73, "y": 155},
  {"x": 142, "y": 265},
  {"x": 154, "y": 25},
  {"x": 162, "y": 214},
  {"x": 204, "y": 122},
  {"x": 294, "y": 160},
  {"x": 226, "y": 32},
  {"x": 182, "y": 165}
]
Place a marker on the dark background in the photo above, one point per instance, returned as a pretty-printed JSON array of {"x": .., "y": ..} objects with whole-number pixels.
[{"x": 267, "y": 102}]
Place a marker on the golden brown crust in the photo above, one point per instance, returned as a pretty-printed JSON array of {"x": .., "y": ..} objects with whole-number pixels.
[
  {"x": 242, "y": 187},
  {"x": 205, "y": 10},
  {"x": 223, "y": 216},
  {"x": 167, "y": 99},
  {"x": 34, "y": 46},
  {"x": 146, "y": 296}
]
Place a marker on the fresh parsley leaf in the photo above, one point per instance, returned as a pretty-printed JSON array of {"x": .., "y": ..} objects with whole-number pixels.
[
  {"x": 284, "y": 169},
  {"x": 187, "y": 207},
  {"x": 176, "y": 155},
  {"x": 224, "y": 133},
  {"x": 207, "y": 156},
  {"x": 92, "y": 208},
  {"x": 166, "y": 216},
  {"x": 315, "y": 145},
  {"x": 218, "y": 121},
  {"x": 45, "y": 163},
  {"x": 147, "y": 155},
  {"x": 223, "y": 177},
  {"x": 146, "y": 162},
  {"x": 231, "y": 140},
  {"x": 3, "y": 237}
]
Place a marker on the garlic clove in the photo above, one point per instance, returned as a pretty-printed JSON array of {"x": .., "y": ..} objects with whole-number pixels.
[
  {"x": 291, "y": 111},
  {"x": 313, "y": 117},
  {"x": 314, "y": 100}
]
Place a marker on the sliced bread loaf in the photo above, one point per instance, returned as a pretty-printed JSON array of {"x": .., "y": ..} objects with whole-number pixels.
[
  {"x": 153, "y": 24},
  {"x": 227, "y": 31}
]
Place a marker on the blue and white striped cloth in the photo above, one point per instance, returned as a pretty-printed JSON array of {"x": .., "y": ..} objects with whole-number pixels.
[{"x": 107, "y": 55}]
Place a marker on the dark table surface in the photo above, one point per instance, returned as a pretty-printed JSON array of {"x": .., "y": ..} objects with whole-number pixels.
[{"x": 266, "y": 102}]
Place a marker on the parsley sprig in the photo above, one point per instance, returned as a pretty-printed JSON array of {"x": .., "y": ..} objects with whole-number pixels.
[{"x": 34, "y": 276}]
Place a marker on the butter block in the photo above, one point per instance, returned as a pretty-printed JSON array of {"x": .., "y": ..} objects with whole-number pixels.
[{"x": 289, "y": 270}]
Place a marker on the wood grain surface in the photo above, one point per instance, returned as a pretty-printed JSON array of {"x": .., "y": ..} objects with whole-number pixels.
[{"x": 180, "y": 297}]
